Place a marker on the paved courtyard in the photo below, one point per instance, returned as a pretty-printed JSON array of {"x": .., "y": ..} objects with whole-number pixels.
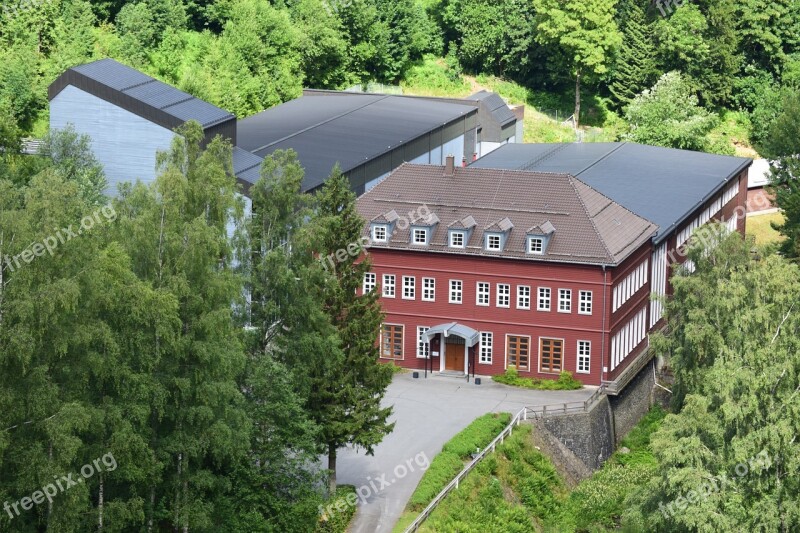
[{"x": 428, "y": 413}]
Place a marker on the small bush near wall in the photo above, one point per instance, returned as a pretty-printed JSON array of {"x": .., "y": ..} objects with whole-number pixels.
[
  {"x": 565, "y": 381},
  {"x": 338, "y": 521}
]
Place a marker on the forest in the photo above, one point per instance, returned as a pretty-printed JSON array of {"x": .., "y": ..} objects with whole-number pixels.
[{"x": 215, "y": 369}]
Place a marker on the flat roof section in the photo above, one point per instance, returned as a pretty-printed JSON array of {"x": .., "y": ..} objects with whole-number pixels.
[
  {"x": 664, "y": 185},
  {"x": 345, "y": 128}
]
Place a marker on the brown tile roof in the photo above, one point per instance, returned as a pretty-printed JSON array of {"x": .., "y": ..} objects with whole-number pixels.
[{"x": 588, "y": 227}]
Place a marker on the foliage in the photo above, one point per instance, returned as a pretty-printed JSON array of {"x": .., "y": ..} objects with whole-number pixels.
[
  {"x": 435, "y": 77},
  {"x": 635, "y": 64},
  {"x": 345, "y": 399},
  {"x": 585, "y": 31},
  {"x": 565, "y": 381},
  {"x": 669, "y": 115},
  {"x": 733, "y": 344},
  {"x": 450, "y": 461},
  {"x": 510, "y": 490},
  {"x": 340, "y": 520}
]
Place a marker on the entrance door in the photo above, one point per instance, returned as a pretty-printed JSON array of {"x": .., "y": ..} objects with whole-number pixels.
[{"x": 454, "y": 357}]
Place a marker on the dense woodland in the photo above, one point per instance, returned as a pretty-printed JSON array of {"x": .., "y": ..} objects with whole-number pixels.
[{"x": 216, "y": 369}]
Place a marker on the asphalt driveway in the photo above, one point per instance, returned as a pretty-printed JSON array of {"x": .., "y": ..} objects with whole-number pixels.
[{"x": 428, "y": 413}]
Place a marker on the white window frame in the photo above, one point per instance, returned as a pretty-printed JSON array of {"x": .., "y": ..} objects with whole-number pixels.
[
  {"x": 370, "y": 281},
  {"x": 503, "y": 295},
  {"x": 423, "y": 347},
  {"x": 565, "y": 304},
  {"x": 485, "y": 351},
  {"x": 416, "y": 232},
  {"x": 456, "y": 294},
  {"x": 389, "y": 286},
  {"x": 584, "y": 354},
  {"x": 409, "y": 288},
  {"x": 428, "y": 289},
  {"x": 384, "y": 229},
  {"x": 483, "y": 297},
  {"x": 585, "y": 302},
  {"x": 549, "y": 298},
  {"x": 489, "y": 238},
  {"x": 461, "y": 234},
  {"x": 523, "y": 297},
  {"x": 540, "y": 250}
]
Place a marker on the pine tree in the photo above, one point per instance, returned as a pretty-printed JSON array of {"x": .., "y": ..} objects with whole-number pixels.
[
  {"x": 635, "y": 66},
  {"x": 347, "y": 404}
]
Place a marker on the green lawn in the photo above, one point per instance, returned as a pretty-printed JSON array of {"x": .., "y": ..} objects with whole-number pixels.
[{"x": 759, "y": 226}]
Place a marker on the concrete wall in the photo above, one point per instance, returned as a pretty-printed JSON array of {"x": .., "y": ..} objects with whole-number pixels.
[
  {"x": 633, "y": 403},
  {"x": 587, "y": 435},
  {"x": 593, "y": 436},
  {"x": 123, "y": 142}
]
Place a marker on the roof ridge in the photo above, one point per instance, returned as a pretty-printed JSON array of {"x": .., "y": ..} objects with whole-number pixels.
[
  {"x": 591, "y": 218},
  {"x": 544, "y": 156},
  {"x": 597, "y": 161}
]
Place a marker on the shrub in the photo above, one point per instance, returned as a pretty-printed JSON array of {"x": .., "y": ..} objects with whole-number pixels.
[
  {"x": 337, "y": 521},
  {"x": 455, "y": 452},
  {"x": 565, "y": 381}
]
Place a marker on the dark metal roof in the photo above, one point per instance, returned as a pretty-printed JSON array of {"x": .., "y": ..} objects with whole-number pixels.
[
  {"x": 663, "y": 185},
  {"x": 588, "y": 228},
  {"x": 350, "y": 129},
  {"x": 140, "y": 94},
  {"x": 496, "y": 106},
  {"x": 247, "y": 167}
]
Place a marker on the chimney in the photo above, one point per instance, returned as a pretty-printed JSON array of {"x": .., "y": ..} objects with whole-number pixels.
[{"x": 449, "y": 166}]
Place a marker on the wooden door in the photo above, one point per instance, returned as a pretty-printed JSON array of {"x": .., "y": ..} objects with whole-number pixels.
[{"x": 454, "y": 357}]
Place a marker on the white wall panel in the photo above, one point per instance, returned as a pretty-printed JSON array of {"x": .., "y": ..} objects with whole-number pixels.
[{"x": 123, "y": 142}]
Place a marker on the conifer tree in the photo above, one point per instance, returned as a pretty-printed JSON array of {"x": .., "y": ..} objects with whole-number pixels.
[
  {"x": 635, "y": 65},
  {"x": 346, "y": 401}
]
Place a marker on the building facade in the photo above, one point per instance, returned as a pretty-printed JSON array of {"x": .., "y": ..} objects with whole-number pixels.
[{"x": 481, "y": 269}]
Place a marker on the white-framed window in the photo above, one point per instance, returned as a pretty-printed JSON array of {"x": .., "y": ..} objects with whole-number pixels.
[
  {"x": 409, "y": 287},
  {"x": 456, "y": 291},
  {"x": 485, "y": 354},
  {"x": 493, "y": 242},
  {"x": 585, "y": 302},
  {"x": 370, "y": 280},
  {"x": 379, "y": 233},
  {"x": 584, "y": 357},
  {"x": 457, "y": 239},
  {"x": 388, "y": 285},
  {"x": 503, "y": 295},
  {"x": 420, "y": 236},
  {"x": 423, "y": 347},
  {"x": 483, "y": 294},
  {"x": 544, "y": 299},
  {"x": 523, "y": 297},
  {"x": 564, "y": 300},
  {"x": 428, "y": 289},
  {"x": 535, "y": 245}
]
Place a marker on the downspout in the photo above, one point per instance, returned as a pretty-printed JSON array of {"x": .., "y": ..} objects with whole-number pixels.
[{"x": 603, "y": 330}]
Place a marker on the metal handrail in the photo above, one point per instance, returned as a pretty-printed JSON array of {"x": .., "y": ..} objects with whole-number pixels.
[{"x": 522, "y": 415}]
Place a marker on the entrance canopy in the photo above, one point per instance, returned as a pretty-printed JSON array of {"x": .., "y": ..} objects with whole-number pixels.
[{"x": 470, "y": 336}]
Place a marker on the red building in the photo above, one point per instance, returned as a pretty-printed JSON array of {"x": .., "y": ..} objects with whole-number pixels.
[{"x": 481, "y": 269}]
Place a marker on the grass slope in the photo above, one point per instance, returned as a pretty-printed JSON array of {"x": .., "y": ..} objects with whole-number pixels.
[{"x": 517, "y": 489}]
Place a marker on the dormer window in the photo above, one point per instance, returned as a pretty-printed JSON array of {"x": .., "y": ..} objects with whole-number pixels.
[
  {"x": 379, "y": 233},
  {"x": 536, "y": 245},
  {"x": 420, "y": 236},
  {"x": 456, "y": 239},
  {"x": 539, "y": 238},
  {"x": 494, "y": 242}
]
